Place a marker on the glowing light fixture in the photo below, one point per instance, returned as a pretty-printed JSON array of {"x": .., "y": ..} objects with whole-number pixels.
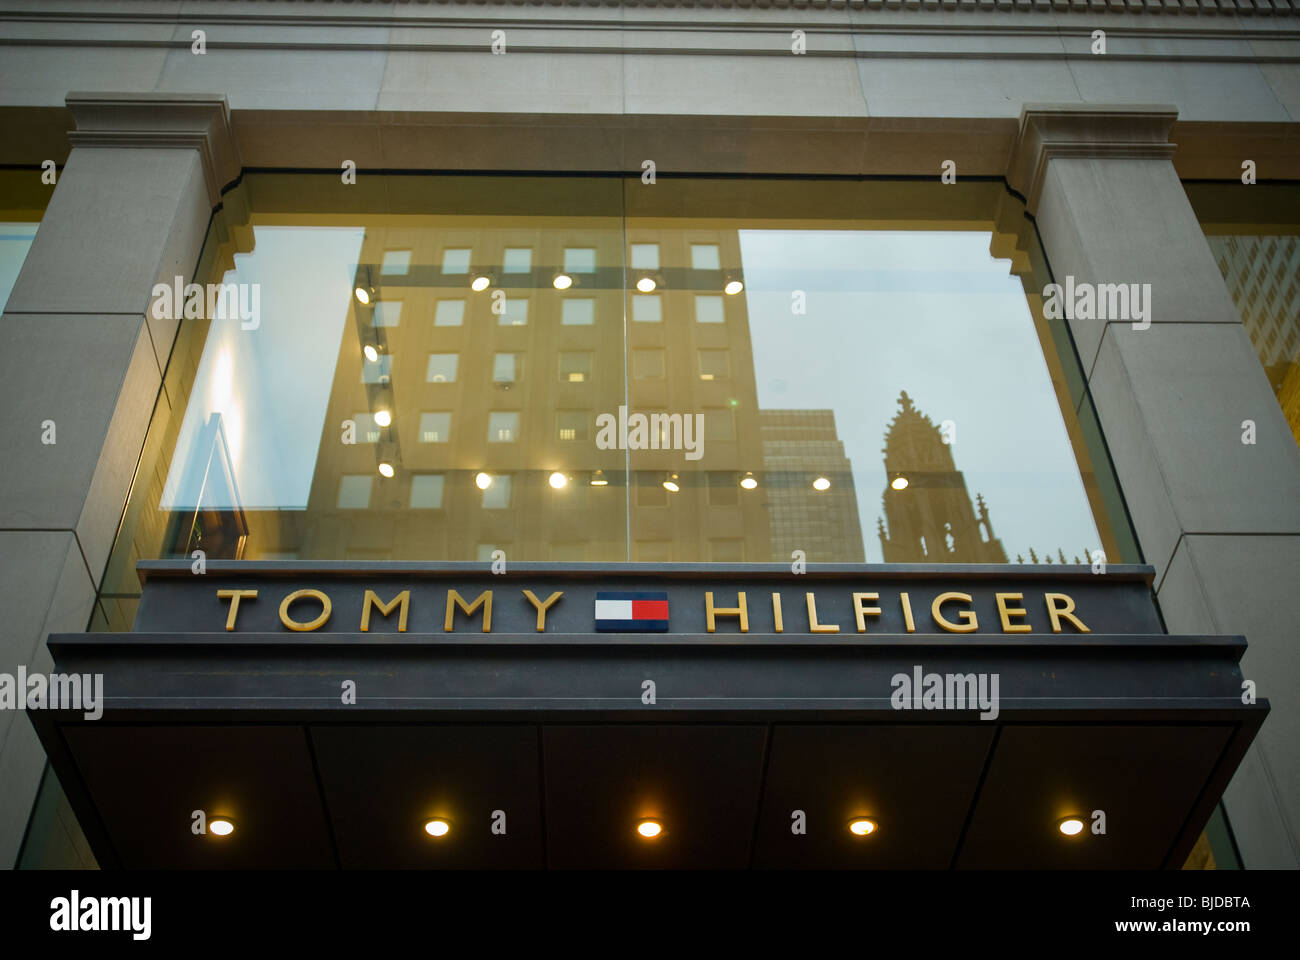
[
  {"x": 437, "y": 828},
  {"x": 386, "y": 469},
  {"x": 733, "y": 287},
  {"x": 480, "y": 283},
  {"x": 671, "y": 484},
  {"x": 649, "y": 829},
  {"x": 363, "y": 295},
  {"x": 482, "y": 481},
  {"x": 748, "y": 481},
  {"x": 1070, "y": 826},
  {"x": 598, "y": 479},
  {"x": 899, "y": 483},
  {"x": 383, "y": 418},
  {"x": 371, "y": 352},
  {"x": 821, "y": 483},
  {"x": 562, "y": 281},
  {"x": 558, "y": 480},
  {"x": 862, "y": 827},
  {"x": 646, "y": 285},
  {"x": 221, "y": 826}
]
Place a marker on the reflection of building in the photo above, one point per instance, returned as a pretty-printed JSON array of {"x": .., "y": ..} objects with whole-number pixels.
[
  {"x": 1263, "y": 275},
  {"x": 798, "y": 447},
  {"x": 930, "y": 516}
]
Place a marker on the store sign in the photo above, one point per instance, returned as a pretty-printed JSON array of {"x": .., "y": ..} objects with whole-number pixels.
[{"x": 1007, "y": 601}]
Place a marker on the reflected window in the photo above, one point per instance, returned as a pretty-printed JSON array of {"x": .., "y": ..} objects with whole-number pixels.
[
  {"x": 367, "y": 430},
  {"x": 503, "y": 427},
  {"x": 442, "y": 368},
  {"x": 506, "y": 367},
  {"x": 396, "y": 263},
  {"x": 497, "y": 495},
  {"x": 708, "y": 309},
  {"x": 646, "y": 308},
  {"x": 578, "y": 312},
  {"x": 449, "y": 313},
  {"x": 648, "y": 364},
  {"x": 515, "y": 313},
  {"x": 704, "y": 256},
  {"x": 456, "y": 260},
  {"x": 435, "y": 427},
  {"x": 573, "y": 424},
  {"x": 579, "y": 260},
  {"x": 714, "y": 364},
  {"x": 575, "y": 367},
  {"x": 388, "y": 313},
  {"x": 379, "y": 370},
  {"x": 645, "y": 256},
  {"x": 354, "y": 491},
  {"x": 426, "y": 491},
  {"x": 517, "y": 260}
]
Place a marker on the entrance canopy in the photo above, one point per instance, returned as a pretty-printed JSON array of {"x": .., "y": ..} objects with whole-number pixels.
[{"x": 885, "y": 716}]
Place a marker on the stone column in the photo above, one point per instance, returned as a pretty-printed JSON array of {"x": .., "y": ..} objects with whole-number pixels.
[
  {"x": 81, "y": 365},
  {"x": 1217, "y": 517}
]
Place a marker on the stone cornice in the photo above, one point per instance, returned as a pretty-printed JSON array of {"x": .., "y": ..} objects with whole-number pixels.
[
  {"x": 186, "y": 121},
  {"x": 1052, "y": 131}
]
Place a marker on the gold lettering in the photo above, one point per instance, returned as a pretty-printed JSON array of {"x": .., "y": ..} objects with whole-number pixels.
[
  {"x": 861, "y": 612},
  {"x": 813, "y": 625},
  {"x": 1066, "y": 611},
  {"x": 404, "y": 598},
  {"x": 542, "y": 607},
  {"x": 454, "y": 600},
  {"x": 710, "y": 611},
  {"x": 234, "y": 596},
  {"x": 298, "y": 595},
  {"x": 907, "y": 613},
  {"x": 968, "y": 622},
  {"x": 776, "y": 613},
  {"x": 1006, "y": 613}
]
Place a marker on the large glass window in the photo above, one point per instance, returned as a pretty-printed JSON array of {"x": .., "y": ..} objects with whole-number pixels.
[{"x": 722, "y": 371}]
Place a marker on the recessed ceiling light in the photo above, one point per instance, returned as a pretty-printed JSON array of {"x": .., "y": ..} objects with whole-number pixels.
[
  {"x": 558, "y": 480},
  {"x": 383, "y": 418},
  {"x": 386, "y": 469},
  {"x": 1070, "y": 826},
  {"x": 363, "y": 294},
  {"x": 821, "y": 483},
  {"x": 562, "y": 281},
  {"x": 649, "y": 829},
  {"x": 221, "y": 826},
  {"x": 862, "y": 827},
  {"x": 748, "y": 481},
  {"x": 733, "y": 288},
  {"x": 646, "y": 285},
  {"x": 598, "y": 479},
  {"x": 480, "y": 283},
  {"x": 372, "y": 354},
  {"x": 482, "y": 481},
  {"x": 899, "y": 483},
  {"x": 437, "y": 828}
]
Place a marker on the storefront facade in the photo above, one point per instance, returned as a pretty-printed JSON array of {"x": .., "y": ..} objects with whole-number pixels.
[{"x": 630, "y": 299}]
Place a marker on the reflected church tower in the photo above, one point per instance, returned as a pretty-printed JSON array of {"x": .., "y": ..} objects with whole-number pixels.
[{"x": 931, "y": 518}]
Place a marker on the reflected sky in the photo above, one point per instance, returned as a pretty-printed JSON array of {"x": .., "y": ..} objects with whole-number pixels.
[
  {"x": 15, "y": 241},
  {"x": 934, "y": 314}
]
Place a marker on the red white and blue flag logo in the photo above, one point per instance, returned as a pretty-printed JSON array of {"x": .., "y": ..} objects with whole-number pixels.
[{"x": 631, "y": 611}]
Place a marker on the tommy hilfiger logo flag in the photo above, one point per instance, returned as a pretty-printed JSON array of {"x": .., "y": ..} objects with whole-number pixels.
[{"x": 631, "y": 611}]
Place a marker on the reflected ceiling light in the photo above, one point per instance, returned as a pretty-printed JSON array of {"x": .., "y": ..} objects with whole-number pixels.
[
  {"x": 646, "y": 284},
  {"x": 437, "y": 828},
  {"x": 748, "y": 481},
  {"x": 481, "y": 283},
  {"x": 482, "y": 481},
  {"x": 383, "y": 418},
  {"x": 221, "y": 826},
  {"x": 558, "y": 480},
  {"x": 649, "y": 829},
  {"x": 562, "y": 281},
  {"x": 386, "y": 469},
  {"x": 821, "y": 483},
  {"x": 363, "y": 295},
  {"x": 670, "y": 484},
  {"x": 899, "y": 483},
  {"x": 1071, "y": 826},
  {"x": 371, "y": 352},
  {"x": 598, "y": 479},
  {"x": 862, "y": 827},
  {"x": 733, "y": 287}
]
